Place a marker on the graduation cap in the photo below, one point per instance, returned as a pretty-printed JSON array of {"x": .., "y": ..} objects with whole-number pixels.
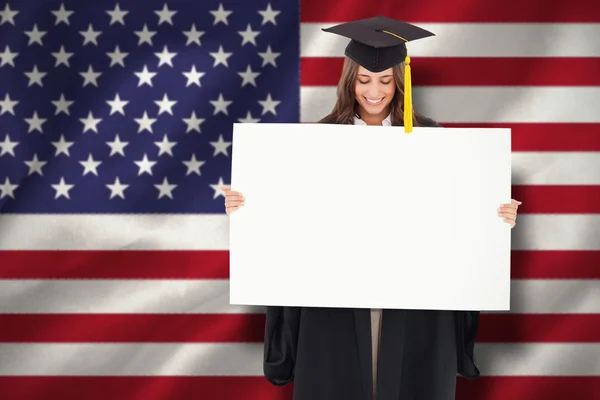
[{"x": 379, "y": 43}]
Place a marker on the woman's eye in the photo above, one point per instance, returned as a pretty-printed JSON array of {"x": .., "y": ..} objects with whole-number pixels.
[
  {"x": 387, "y": 83},
  {"x": 364, "y": 83}
]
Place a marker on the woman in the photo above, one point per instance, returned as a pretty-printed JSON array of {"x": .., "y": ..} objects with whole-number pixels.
[{"x": 353, "y": 354}]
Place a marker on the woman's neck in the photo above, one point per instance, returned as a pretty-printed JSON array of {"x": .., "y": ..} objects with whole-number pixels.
[{"x": 373, "y": 119}]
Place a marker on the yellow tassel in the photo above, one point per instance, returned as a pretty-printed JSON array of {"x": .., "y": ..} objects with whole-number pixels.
[{"x": 408, "y": 121}]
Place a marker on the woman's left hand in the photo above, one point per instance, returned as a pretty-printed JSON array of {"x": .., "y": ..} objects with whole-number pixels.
[{"x": 509, "y": 212}]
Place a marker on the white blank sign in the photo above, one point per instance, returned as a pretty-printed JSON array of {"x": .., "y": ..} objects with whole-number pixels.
[{"x": 370, "y": 217}]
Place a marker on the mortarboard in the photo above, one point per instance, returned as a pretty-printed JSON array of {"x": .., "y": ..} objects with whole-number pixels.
[{"x": 379, "y": 43}]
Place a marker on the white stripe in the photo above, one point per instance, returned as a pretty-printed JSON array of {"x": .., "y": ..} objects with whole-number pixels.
[
  {"x": 212, "y": 296},
  {"x": 556, "y": 168},
  {"x": 209, "y": 232},
  {"x": 233, "y": 359},
  {"x": 474, "y": 40},
  {"x": 464, "y": 104}
]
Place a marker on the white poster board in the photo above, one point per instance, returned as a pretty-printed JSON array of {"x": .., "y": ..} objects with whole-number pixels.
[{"x": 370, "y": 217}]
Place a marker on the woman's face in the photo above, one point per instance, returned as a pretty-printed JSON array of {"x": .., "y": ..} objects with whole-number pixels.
[{"x": 374, "y": 91}]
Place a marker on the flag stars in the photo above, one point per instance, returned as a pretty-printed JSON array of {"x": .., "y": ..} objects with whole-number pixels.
[
  {"x": 193, "y": 77},
  {"x": 117, "y": 15},
  {"x": 248, "y": 118},
  {"x": 249, "y": 36},
  {"x": 7, "y": 15},
  {"x": 165, "y": 147},
  {"x": 62, "y": 146},
  {"x": 7, "y": 105},
  {"x": 269, "y": 15},
  {"x": 62, "y": 15},
  {"x": 35, "y": 123},
  {"x": 165, "y": 105},
  {"x": 35, "y": 77},
  {"x": 165, "y": 57},
  {"x": 117, "y": 189},
  {"x": 269, "y": 105},
  {"x": 35, "y": 35},
  {"x": 117, "y": 146},
  {"x": 62, "y": 57},
  {"x": 220, "y": 146},
  {"x": 7, "y": 189},
  {"x": 217, "y": 189},
  {"x": 165, "y": 15},
  {"x": 145, "y": 36},
  {"x": 145, "y": 123},
  {"x": 117, "y": 105},
  {"x": 220, "y": 57},
  {"x": 221, "y": 15},
  {"x": 249, "y": 76},
  {"x": 90, "y": 36},
  {"x": 145, "y": 76},
  {"x": 165, "y": 189},
  {"x": 62, "y": 189},
  {"x": 90, "y": 123},
  {"x": 90, "y": 77},
  {"x": 193, "y": 36},
  {"x": 7, "y": 147},
  {"x": 193, "y": 165},
  {"x": 7, "y": 57},
  {"x": 90, "y": 165},
  {"x": 35, "y": 165},
  {"x": 117, "y": 57},
  {"x": 220, "y": 105},
  {"x": 269, "y": 57},
  {"x": 62, "y": 105},
  {"x": 193, "y": 123},
  {"x": 145, "y": 165}
]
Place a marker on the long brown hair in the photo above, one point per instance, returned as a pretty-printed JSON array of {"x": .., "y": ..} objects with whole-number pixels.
[{"x": 346, "y": 106}]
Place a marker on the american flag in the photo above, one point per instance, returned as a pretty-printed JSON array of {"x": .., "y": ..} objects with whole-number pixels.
[{"x": 115, "y": 133}]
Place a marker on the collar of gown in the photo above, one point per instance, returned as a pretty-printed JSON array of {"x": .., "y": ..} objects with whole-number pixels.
[{"x": 386, "y": 122}]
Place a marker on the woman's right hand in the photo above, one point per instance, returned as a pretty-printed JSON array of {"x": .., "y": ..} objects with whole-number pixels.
[{"x": 233, "y": 200}]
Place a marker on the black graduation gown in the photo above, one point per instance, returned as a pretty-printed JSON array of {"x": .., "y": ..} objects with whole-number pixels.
[{"x": 326, "y": 352}]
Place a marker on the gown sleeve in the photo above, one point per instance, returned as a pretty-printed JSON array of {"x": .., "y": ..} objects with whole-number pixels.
[
  {"x": 467, "y": 324},
  {"x": 281, "y": 344}
]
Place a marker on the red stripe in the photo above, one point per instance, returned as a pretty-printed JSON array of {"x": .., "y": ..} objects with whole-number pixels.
[
  {"x": 539, "y": 328},
  {"x": 546, "y": 136},
  {"x": 250, "y": 388},
  {"x": 529, "y": 387},
  {"x": 137, "y": 265},
  {"x": 429, "y": 71},
  {"x": 249, "y": 328},
  {"x": 557, "y": 264},
  {"x": 562, "y": 199},
  {"x": 333, "y": 11},
  {"x": 141, "y": 388}
]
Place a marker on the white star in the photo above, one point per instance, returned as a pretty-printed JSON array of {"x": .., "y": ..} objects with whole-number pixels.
[
  {"x": 35, "y": 123},
  {"x": 117, "y": 146},
  {"x": 117, "y": 105},
  {"x": 117, "y": 189},
  {"x": 35, "y": 76},
  {"x": 165, "y": 57},
  {"x": 193, "y": 36},
  {"x": 117, "y": 15},
  {"x": 193, "y": 123},
  {"x": 145, "y": 35},
  {"x": 221, "y": 15},
  {"x": 90, "y": 36},
  {"x": 8, "y": 57},
  {"x": 7, "y": 15},
  {"x": 164, "y": 189},
  {"x": 90, "y": 76},
  {"x": 62, "y": 15},
  {"x": 62, "y": 189},
  {"x": 193, "y": 77},
  {"x": 249, "y": 76},
  {"x": 35, "y": 35},
  {"x": 165, "y": 105},
  {"x": 35, "y": 165},
  {"x": 248, "y": 119},
  {"x": 165, "y": 15},
  {"x": 90, "y": 123},
  {"x": 145, "y": 165},
  {"x": 145, "y": 76},
  {"x": 193, "y": 165},
  {"x": 220, "y": 146},
  {"x": 117, "y": 57},
  {"x": 269, "y": 105},
  {"x": 7, "y": 189},
  {"x": 249, "y": 36},
  {"x": 269, "y": 15},
  {"x": 90, "y": 166},
  {"x": 8, "y": 105},
  {"x": 269, "y": 57},
  {"x": 220, "y": 57},
  {"x": 62, "y": 105},
  {"x": 220, "y": 105},
  {"x": 145, "y": 123},
  {"x": 62, "y": 57},
  {"x": 165, "y": 146},
  {"x": 7, "y": 147},
  {"x": 216, "y": 188},
  {"x": 62, "y": 146}
]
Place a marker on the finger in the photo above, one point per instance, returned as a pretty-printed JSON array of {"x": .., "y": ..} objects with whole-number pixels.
[
  {"x": 230, "y": 203},
  {"x": 225, "y": 188},
  {"x": 233, "y": 196},
  {"x": 509, "y": 221},
  {"x": 229, "y": 210},
  {"x": 516, "y": 201}
]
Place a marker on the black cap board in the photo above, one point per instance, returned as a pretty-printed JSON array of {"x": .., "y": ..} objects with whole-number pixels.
[{"x": 378, "y": 43}]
